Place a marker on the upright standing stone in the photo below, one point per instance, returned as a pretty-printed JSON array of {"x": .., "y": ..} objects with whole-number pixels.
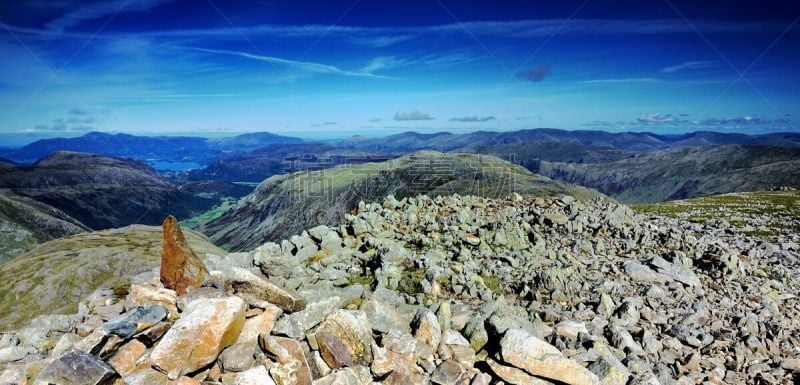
[{"x": 181, "y": 268}]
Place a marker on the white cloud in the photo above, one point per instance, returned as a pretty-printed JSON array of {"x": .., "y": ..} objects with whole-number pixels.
[
  {"x": 383, "y": 63},
  {"x": 385, "y": 36},
  {"x": 306, "y": 66},
  {"x": 380, "y": 41},
  {"x": 621, "y": 81},
  {"x": 689, "y": 65},
  {"x": 656, "y": 118},
  {"x": 101, "y": 9}
]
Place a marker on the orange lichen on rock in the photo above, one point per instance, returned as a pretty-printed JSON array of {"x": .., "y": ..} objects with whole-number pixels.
[{"x": 181, "y": 268}]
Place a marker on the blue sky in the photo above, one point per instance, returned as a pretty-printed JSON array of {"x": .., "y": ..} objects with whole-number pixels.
[{"x": 336, "y": 68}]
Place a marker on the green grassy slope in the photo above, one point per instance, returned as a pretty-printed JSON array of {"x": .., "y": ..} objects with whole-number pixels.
[{"x": 52, "y": 278}]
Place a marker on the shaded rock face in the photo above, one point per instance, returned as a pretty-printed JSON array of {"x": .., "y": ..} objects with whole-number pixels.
[
  {"x": 78, "y": 368},
  {"x": 181, "y": 268},
  {"x": 345, "y": 339}
]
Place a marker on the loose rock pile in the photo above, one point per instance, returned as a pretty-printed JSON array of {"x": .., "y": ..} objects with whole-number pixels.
[{"x": 448, "y": 291}]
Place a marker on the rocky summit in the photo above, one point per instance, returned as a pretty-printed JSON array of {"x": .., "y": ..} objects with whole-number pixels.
[{"x": 452, "y": 290}]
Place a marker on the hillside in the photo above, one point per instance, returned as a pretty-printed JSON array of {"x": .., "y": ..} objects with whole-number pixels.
[
  {"x": 286, "y": 204},
  {"x": 25, "y": 223},
  {"x": 101, "y": 192},
  {"x": 54, "y": 277},
  {"x": 528, "y": 154},
  {"x": 262, "y": 163},
  {"x": 771, "y": 215},
  {"x": 451, "y": 290},
  {"x": 683, "y": 173}
]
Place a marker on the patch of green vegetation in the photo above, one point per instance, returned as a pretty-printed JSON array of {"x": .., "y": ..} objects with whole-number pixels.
[
  {"x": 199, "y": 222},
  {"x": 445, "y": 283},
  {"x": 780, "y": 210},
  {"x": 760, "y": 233},
  {"x": 493, "y": 283},
  {"x": 363, "y": 280},
  {"x": 411, "y": 281},
  {"x": 52, "y": 278}
]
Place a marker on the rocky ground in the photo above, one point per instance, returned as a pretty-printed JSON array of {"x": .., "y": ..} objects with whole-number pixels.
[{"x": 450, "y": 290}]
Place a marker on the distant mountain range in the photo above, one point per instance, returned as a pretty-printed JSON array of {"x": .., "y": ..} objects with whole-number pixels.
[
  {"x": 46, "y": 192},
  {"x": 262, "y": 163},
  {"x": 147, "y": 148},
  {"x": 205, "y": 151},
  {"x": 626, "y": 141}
]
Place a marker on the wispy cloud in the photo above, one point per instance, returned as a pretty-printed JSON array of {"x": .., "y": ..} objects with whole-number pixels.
[
  {"x": 379, "y": 41},
  {"x": 621, "y": 80},
  {"x": 306, "y": 66},
  {"x": 736, "y": 120},
  {"x": 101, "y": 9},
  {"x": 383, "y": 63},
  {"x": 387, "y": 63},
  {"x": 535, "y": 74},
  {"x": 472, "y": 119},
  {"x": 689, "y": 65},
  {"x": 413, "y": 115},
  {"x": 385, "y": 36}
]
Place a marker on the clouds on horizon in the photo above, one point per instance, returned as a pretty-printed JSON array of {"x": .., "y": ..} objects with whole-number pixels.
[
  {"x": 77, "y": 119},
  {"x": 412, "y": 116},
  {"x": 472, "y": 119}
]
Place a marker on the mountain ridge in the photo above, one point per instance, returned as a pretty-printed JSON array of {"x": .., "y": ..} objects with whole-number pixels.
[{"x": 287, "y": 203}]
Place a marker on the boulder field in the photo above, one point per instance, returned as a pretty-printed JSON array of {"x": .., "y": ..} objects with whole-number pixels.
[{"x": 452, "y": 290}]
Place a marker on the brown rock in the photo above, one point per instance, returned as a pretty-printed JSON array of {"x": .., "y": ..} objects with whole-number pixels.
[
  {"x": 448, "y": 373},
  {"x": 181, "y": 268},
  {"x": 397, "y": 378},
  {"x": 254, "y": 376},
  {"x": 126, "y": 358},
  {"x": 513, "y": 375},
  {"x": 151, "y": 335},
  {"x": 148, "y": 376},
  {"x": 537, "y": 357},
  {"x": 285, "y": 351},
  {"x": 345, "y": 339},
  {"x": 141, "y": 295},
  {"x": 254, "y": 289},
  {"x": 195, "y": 340},
  {"x": 262, "y": 323},
  {"x": 398, "y": 354}
]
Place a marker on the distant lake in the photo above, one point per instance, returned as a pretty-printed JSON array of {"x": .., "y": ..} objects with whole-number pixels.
[{"x": 173, "y": 166}]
